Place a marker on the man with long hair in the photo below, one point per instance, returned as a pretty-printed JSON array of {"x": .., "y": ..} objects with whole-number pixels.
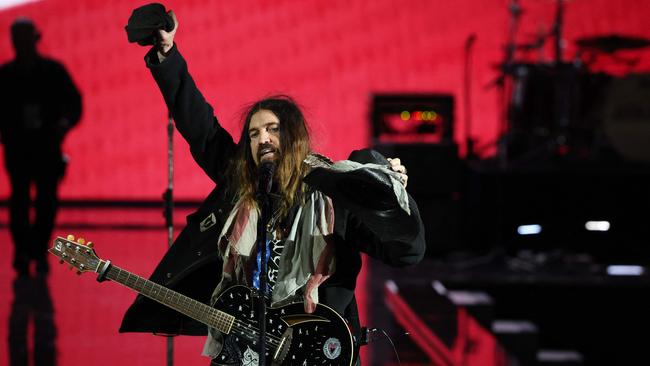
[{"x": 323, "y": 215}]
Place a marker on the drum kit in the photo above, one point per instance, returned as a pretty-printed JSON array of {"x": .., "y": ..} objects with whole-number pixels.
[{"x": 565, "y": 109}]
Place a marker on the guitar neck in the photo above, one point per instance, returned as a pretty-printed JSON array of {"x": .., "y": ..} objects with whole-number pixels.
[{"x": 177, "y": 301}]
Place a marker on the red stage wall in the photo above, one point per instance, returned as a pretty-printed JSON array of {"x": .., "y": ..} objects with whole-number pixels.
[{"x": 330, "y": 55}]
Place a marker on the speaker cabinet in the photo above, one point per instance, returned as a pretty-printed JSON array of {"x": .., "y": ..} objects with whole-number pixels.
[{"x": 434, "y": 172}]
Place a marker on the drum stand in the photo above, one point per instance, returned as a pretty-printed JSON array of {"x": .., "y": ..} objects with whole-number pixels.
[
  {"x": 551, "y": 136},
  {"x": 507, "y": 69}
]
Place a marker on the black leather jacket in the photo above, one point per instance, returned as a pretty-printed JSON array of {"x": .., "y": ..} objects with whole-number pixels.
[{"x": 192, "y": 266}]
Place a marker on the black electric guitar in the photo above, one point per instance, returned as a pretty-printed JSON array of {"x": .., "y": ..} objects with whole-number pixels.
[{"x": 293, "y": 337}]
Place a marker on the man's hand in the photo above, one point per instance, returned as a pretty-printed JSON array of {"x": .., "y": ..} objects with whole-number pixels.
[
  {"x": 165, "y": 40},
  {"x": 396, "y": 165}
]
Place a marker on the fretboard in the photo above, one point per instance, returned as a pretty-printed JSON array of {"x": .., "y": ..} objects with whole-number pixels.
[{"x": 177, "y": 301}]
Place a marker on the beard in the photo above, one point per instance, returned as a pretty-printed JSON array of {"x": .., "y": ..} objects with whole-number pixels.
[{"x": 268, "y": 152}]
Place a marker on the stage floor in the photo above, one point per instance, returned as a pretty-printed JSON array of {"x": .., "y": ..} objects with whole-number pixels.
[
  {"x": 82, "y": 324},
  {"x": 67, "y": 319}
]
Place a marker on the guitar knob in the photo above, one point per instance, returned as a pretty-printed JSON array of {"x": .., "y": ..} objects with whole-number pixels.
[
  {"x": 60, "y": 261},
  {"x": 70, "y": 237},
  {"x": 81, "y": 241},
  {"x": 78, "y": 273},
  {"x": 90, "y": 244}
]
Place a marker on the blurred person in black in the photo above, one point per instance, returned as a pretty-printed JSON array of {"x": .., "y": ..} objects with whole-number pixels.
[
  {"x": 32, "y": 304},
  {"x": 39, "y": 104}
]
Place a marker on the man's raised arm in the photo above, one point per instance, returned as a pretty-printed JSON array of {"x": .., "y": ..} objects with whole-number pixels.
[{"x": 210, "y": 144}]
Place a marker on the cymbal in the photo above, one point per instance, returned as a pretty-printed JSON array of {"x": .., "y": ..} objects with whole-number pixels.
[
  {"x": 612, "y": 42},
  {"x": 514, "y": 66}
]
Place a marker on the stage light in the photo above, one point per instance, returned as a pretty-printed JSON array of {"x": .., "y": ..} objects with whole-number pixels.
[
  {"x": 6, "y": 4},
  {"x": 529, "y": 229},
  {"x": 597, "y": 225},
  {"x": 625, "y": 270},
  {"x": 391, "y": 286},
  {"x": 419, "y": 118},
  {"x": 439, "y": 287},
  {"x": 429, "y": 116}
]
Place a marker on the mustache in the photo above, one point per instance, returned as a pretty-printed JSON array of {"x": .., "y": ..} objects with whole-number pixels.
[{"x": 265, "y": 148}]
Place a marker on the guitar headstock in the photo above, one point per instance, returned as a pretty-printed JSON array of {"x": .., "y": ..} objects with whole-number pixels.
[{"x": 78, "y": 254}]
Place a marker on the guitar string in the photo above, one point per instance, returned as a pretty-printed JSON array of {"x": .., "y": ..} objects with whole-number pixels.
[
  {"x": 237, "y": 325},
  {"x": 254, "y": 332},
  {"x": 156, "y": 291},
  {"x": 272, "y": 344}
]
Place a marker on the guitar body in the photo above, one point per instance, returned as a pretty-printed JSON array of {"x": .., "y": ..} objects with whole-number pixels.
[{"x": 293, "y": 336}]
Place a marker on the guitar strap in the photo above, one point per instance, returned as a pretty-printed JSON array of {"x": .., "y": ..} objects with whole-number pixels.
[{"x": 257, "y": 270}]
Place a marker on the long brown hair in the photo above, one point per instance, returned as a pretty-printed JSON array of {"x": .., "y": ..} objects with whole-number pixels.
[{"x": 294, "y": 147}]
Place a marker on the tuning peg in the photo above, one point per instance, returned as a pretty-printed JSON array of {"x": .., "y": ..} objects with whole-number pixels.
[
  {"x": 90, "y": 244},
  {"x": 70, "y": 237},
  {"x": 81, "y": 241}
]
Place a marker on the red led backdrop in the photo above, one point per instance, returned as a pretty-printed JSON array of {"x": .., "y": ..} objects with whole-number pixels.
[{"x": 330, "y": 55}]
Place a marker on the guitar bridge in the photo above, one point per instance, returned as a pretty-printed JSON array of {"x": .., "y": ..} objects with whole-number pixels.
[{"x": 283, "y": 348}]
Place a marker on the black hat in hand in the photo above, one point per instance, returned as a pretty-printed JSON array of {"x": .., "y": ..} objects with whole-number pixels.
[
  {"x": 368, "y": 194},
  {"x": 145, "y": 21}
]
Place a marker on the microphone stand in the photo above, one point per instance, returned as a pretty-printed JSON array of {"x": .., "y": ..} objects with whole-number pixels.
[
  {"x": 508, "y": 68},
  {"x": 265, "y": 214},
  {"x": 168, "y": 211},
  {"x": 265, "y": 206},
  {"x": 563, "y": 82},
  {"x": 557, "y": 32},
  {"x": 469, "y": 140}
]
